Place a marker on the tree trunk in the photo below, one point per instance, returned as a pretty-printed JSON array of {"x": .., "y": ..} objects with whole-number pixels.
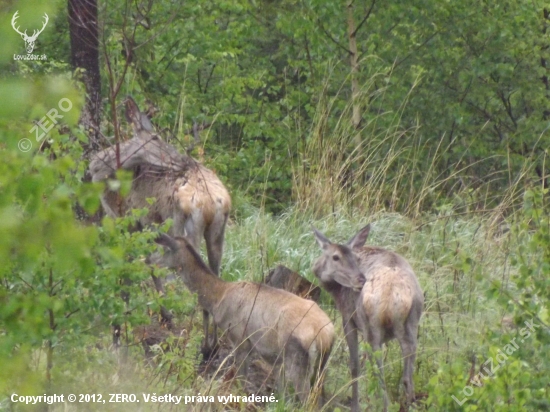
[
  {"x": 545, "y": 81},
  {"x": 545, "y": 113},
  {"x": 85, "y": 55}
]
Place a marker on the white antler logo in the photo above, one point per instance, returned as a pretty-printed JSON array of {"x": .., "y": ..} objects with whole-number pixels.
[{"x": 29, "y": 40}]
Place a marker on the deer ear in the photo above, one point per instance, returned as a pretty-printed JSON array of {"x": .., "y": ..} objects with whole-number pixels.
[
  {"x": 139, "y": 120},
  {"x": 358, "y": 241},
  {"x": 322, "y": 240},
  {"x": 132, "y": 110},
  {"x": 164, "y": 240}
]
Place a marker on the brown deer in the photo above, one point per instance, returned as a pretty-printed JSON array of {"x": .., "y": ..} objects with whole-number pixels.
[
  {"x": 283, "y": 278},
  {"x": 285, "y": 330},
  {"x": 185, "y": 190},
  {"x": 378, "y": 294}
]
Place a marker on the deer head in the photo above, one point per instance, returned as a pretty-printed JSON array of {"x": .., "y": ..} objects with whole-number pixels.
[
  {"x": 29, "y": 40},
  {"x": 339, "y": 263},
  {"x": 145, "y": 149}
]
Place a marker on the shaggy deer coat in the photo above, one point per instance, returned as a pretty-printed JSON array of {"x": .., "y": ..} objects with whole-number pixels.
[
  {"x": 185, "y": 190},
  {"x": 282, "y": 328},
  {"x": 378, "y": 294}
]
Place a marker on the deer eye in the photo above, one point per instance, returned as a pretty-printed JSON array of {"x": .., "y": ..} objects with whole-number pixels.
[{"x": 336, "y": 257}]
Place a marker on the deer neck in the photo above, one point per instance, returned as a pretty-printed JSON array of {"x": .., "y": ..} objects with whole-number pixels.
[
  {"x": 345, "y": 298},
  {"x": 200, "y": 280}
]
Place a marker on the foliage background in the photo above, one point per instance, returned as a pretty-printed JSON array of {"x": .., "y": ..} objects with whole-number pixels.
[{"x": 449, "y": 161}]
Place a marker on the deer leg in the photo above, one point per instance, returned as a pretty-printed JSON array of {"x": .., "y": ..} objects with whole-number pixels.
[
  {"x": 194, "y": 229},
  {"x": 125, "y": 295},
  {"x": 296, "y": 368},
  {"x": 213, "y": 235},
  {"x": 206, "y": 349},
  {"x": 408, "y": 349},
  {"x": 350, "y": 331},
  {"x": 376, "y": 346},
  {"x": 107, "y": 207},
  {"x": 242, "y": 357},
  {"x": 165, "y": 315},
  {"x": 320, "y": 374},
  {"x": 281, "y": 381}
]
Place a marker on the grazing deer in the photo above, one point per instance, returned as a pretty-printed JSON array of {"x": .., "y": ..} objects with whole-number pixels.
[
  {"x": 378, "y": 294},
  {"x": 185, "y": 190},
  {"x": 284, "y": 329}
]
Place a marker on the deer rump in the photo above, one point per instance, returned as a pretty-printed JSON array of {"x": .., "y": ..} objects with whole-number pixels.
[{"x": 390, "y": 294}]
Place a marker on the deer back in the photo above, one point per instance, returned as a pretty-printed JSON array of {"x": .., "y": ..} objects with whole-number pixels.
[
  {"x": 147, "y": 152},
  {"x": 180, "y": 184},
  {"x": 270, "y": 318}
]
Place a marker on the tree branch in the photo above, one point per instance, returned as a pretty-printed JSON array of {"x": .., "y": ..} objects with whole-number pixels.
[
  {"x": 209, "y": 78},
  {"x": 332, "y": 38},
  {"x": 417, "y": 48},
  {"x": 364, "y": 18}
]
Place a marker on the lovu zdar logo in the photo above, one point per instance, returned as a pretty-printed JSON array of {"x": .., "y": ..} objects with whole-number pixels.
[{"x": 29, "y": 40}]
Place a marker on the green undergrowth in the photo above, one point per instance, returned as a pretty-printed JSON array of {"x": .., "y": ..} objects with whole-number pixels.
[
  {"x": 455, "y": 259},
  {"x": 467, "y": 266}
]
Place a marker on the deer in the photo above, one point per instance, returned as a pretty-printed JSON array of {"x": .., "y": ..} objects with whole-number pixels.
[
  {"x": 282, "y": 277},
  {"x": 185, "y": 191},
  {"x": 29, "y": 40},
  {"x": 292, "y": 334},
  {"x": 378, "y": 294}
]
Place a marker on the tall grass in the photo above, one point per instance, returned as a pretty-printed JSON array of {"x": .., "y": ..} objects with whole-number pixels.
[
  {"x": 448, "y": 224},
  {"x": 456, "y": 260},
  {"x": 387, "y": 164}
]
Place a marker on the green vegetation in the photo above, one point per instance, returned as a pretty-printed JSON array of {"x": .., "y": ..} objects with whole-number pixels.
[{"x": 448, "y": 162}]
